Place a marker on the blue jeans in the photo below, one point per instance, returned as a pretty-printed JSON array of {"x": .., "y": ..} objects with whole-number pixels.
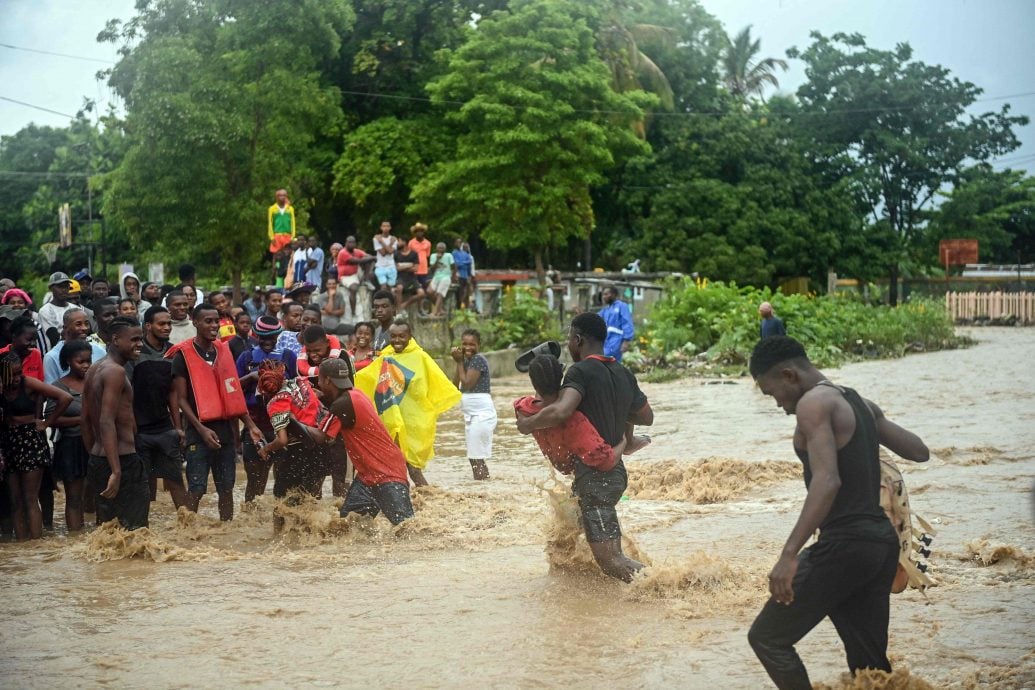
[
  {"x": 386, "y": 276},
  {"x": 220, "y": 461}
]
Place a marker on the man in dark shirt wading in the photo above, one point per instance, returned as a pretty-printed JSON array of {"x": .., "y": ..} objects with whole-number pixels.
[
  {"x": 607, "y": 393},
  {"x": 847, "y": 573}
]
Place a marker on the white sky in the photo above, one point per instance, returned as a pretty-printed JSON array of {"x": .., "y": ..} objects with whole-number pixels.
[{"x": 987, "y": 42}]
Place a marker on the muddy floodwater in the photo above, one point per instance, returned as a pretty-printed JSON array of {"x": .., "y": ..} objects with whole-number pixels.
[{"x": 464, "y": 595}]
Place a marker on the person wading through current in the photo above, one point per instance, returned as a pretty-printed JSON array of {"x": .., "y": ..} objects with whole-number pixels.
[
  {"x": 847, "y": 574},
  {"x": 209, "y": 394},
  {"x": 267, "y": 330},
  {"x": 115, "y": 470},
  {"x": 607, "y": 393},
  {"x": 472, "y": 378},
  {"x": 381, "y": 484},
  {"x": 159, "y": 428}
]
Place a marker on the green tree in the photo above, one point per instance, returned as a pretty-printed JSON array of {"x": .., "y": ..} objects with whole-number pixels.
[
  {"x": 735, "y": 198},
  {"x": 997, "y": 208},
  {"x": 538, "y": 124},
  {"x": 745, "y": 74},
  {"x": 225, "y": 102},
  {"x": 898, "y": 128}
]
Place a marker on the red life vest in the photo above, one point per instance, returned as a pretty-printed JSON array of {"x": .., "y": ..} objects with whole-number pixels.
[{"x": 217, "y": 390}]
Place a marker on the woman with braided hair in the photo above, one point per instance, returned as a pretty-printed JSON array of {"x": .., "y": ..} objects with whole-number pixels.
[
  {"x": 293, "y": 408},
  {"x": 24, "y": 443}
]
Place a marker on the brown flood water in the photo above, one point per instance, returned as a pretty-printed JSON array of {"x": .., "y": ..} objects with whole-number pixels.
[{"x": 464, "y": 595}]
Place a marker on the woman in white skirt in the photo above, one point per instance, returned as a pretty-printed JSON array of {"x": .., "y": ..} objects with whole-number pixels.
[{"x": 472, "y": 378}]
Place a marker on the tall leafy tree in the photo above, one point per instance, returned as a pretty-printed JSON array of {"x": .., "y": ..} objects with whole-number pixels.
[
  {"x": 538, "y": 123},
  {"x": 735, "y": 198},
  {"x": 745, "y": 74},
  {"x": 997, "y": 208},
  {"x": 898, "y": 128},
  {"x": 226, "y": 102}
]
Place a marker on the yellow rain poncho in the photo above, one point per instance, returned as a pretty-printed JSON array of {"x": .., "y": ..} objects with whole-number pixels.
[{"x": 410, "y": 391}]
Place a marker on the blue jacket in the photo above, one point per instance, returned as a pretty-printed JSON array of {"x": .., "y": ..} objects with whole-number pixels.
[
  {"x": 772, "y": 326},
  {"x": 618, "y": 318}
]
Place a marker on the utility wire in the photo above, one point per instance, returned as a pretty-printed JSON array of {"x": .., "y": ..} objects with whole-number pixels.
[
  {"x": 64, "y": 55},
  {"x": 37, "y": 107}
]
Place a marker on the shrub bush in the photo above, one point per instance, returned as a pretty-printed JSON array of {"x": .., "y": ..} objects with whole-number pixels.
[{"x": 721, "y": 321}]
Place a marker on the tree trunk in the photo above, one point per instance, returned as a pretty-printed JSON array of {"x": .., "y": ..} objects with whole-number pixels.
[
  {"x": 236, "y": 274},
  {"x": 540, "y": 271},
  {"x": 893, "y": 285}
]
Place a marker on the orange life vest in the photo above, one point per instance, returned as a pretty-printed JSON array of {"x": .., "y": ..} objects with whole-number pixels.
[{"x": 217, "y": 390}]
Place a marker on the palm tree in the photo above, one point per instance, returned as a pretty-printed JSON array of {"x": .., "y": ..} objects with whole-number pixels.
[
  {"x": 630, "y": 68},
  {"x": 744, "y": 76}
]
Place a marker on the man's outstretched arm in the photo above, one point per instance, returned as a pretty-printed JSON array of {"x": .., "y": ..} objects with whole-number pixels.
[{"x": 899, "y": 441}]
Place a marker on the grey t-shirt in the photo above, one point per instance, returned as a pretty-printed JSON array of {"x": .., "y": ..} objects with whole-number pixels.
[
  {"x": 330, "y": 322},
  {"x": 479, "y": 363}
]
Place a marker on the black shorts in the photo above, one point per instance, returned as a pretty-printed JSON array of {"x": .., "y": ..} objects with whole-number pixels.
[
  {"x": 598, "y": 493},
  {"x": 424, "y": 280},
  {"x": 162, "y": 454},
  {"x": 133, "y": 501},
  {"x": 391, "y": 498}
]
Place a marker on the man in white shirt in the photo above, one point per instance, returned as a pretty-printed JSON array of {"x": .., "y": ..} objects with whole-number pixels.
[
  {"x": 52, "y": 314},
  {"x": 314, "y": 263}
]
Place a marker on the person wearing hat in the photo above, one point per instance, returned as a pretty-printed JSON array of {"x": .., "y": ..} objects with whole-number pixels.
[
  {"x": 52, "y": 314},
  {"x": 266, "y": 330},
  {"x": 381, "y": 484},
  {"x": 17, "y": 299},
  {"x": 300, "y": 293}
]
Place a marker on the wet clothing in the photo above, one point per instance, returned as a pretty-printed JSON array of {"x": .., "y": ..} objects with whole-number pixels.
[
  {"x": 250, "y": 360},
  {"x": 598, "y": 493},
  {"x": 618, "y": 318},
  {"x": 376, "y": 458},
  {"x": 213, "y": 388},
  {"x": 201, "y": 460},
  {"x": 479, "y": 424},
  {"x": 576, "y": 439},
  {"x": 132, "y": 503},
  {"x": 301, "y": 464},
  {"x": 610, "y": 395},
  {"x": 846, "y": 575},
  {"x": 390, "y": 498},
  {"x": 771, "y": 326},
  {"x": 609, "y": 392},
  {"x": 849, "y": 581},
  {"x": 161, "y": 453}
]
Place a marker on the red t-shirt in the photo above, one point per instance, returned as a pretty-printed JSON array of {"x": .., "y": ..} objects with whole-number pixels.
[
  {"x": 377, "y": 460},
  {"x": 344, "y": 267},
  {"x": 32, "y": 365},
  {"x": 423, "y": 249},
  {"x": 576, "y": 438}
]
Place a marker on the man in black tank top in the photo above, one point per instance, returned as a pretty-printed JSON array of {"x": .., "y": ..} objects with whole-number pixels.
[{"x": 847, "y": 573}]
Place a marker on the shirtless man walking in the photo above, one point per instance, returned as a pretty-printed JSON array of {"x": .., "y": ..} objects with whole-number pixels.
[
  {"x": 109, "y": 430},
  {"x": 847, "y": 574}
]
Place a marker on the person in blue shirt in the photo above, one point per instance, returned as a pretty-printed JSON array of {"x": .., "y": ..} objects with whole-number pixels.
[
  {"x": 618, "y": 317},
  {"x": 76, "y": 326},
  {"x": 771, "y": 324},
  {"x": 464, "y": 263}
]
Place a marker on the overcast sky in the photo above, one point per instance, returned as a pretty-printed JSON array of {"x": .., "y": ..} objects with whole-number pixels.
[{"x": 987, "y": 42}]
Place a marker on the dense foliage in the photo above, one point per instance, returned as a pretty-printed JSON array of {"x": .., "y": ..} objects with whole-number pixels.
[
  {"x": 720, "y": 322},
  {"x": 523, "y": 320},
  {"x": 552, "y": 132}
]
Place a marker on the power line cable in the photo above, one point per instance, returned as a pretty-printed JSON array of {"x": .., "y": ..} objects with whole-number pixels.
[
  {"x": 64, "y": 55},
  {"x": 37, "y": 107}
]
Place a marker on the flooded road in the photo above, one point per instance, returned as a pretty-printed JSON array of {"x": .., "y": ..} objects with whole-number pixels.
[{"x": 463, "y": 596}]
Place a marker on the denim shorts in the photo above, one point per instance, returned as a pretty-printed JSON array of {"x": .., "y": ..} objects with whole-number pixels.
[
  {"x": 386, "y": 275},
  {"x": 220, "y": 461}
]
